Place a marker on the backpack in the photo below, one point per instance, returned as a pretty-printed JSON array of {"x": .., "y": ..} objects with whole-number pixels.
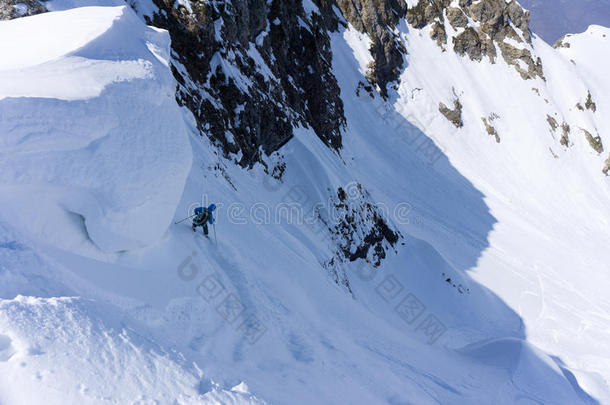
[{"x": 202, "y": 217}]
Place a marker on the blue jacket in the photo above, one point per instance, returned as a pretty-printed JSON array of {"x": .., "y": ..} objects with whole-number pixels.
[{"x": 201, "y": 210}]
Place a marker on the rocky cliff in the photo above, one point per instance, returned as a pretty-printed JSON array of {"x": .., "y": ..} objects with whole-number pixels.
[{"x": 251, "y": 71}]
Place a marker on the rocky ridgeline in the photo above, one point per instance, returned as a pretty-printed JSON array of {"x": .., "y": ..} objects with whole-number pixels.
[{"x": 479, "y": 29}]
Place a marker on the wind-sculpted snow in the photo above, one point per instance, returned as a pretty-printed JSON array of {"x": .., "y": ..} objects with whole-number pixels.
[
  {"x": 28, "y": 49},
  {"x": 92, "y": 139},
  {"x": 55, "y": 339}
]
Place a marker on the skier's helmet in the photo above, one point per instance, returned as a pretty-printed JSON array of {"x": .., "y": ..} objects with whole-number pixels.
[{"x": 212, "y": 207}]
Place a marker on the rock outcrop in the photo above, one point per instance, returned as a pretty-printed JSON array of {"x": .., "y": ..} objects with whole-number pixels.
[
  {"x": 378, "y": 18},
  {"x": 252, "y": 70},
  {"x": 590, "y": 104},
  {"x": 494, "y": 23},
  {"x": 490, "y": 129},
  {"x": 358, "y": 228},
  {"x": 562, "y": 42},
  {"x": 565, "y": 134},
  {"x": 594, "y": 141},
  {"x": 357, "y": 231},
  {"x": 565, "y": 130},
  {"x": 10, "y": 9},
  {"x": 552, "y": 122},
  {"x": 456, "y": 17},
  {"x": 470, "y": 42},
  {"x": 453, "y": 115},
  {"x": 439, "y": 34}
]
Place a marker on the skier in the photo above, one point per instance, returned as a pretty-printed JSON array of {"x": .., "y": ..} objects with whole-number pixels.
[{"x": 203, "y": 216}]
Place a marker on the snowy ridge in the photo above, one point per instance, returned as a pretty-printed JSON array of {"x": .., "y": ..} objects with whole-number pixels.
[{"x": 504, "y": 245}]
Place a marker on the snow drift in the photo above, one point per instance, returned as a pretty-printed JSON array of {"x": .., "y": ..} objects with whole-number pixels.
[{"x": 93, "y": 144}]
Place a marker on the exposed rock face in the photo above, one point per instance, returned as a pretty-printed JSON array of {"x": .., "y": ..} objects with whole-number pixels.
[
  {"x": 425, "y": 12},
  {"x": 470, "y": 43},
  {"x": 606, "y": 169},
  {"x": 358, "y": 231},
  {"x": 521, "y": 60},
  {"x": 595, "y": 142},
  {"x": 456, "y": 17},
  {"x": 358, "y": 228},
  {"x": 565, "y": 130},
  {"x": 377, "y": 18},
  {"x": 252, "y": 70},
  {"x": 552, "y": 122},
  {"x": 439, "y": 34},
  {"x": 10, "y": 9},
  {"x": 562, "y": 43},
  {"x": 590, "y": 104},
  {"x": 565, "y": 135},
  {"x": 495, "y": 17},
  {"x": 453, "y": 115},
  {"x": 492, "y": 24},
  {"x": 490, "y": 129}
]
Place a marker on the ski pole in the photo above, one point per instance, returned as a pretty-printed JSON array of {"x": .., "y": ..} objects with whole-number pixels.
[{"x": 182, "y": 220}]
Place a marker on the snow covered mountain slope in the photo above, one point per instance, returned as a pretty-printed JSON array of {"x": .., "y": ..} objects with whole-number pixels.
[
  {"x": 441, "y": 255},
  {"x": 546, "y": 248}
]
